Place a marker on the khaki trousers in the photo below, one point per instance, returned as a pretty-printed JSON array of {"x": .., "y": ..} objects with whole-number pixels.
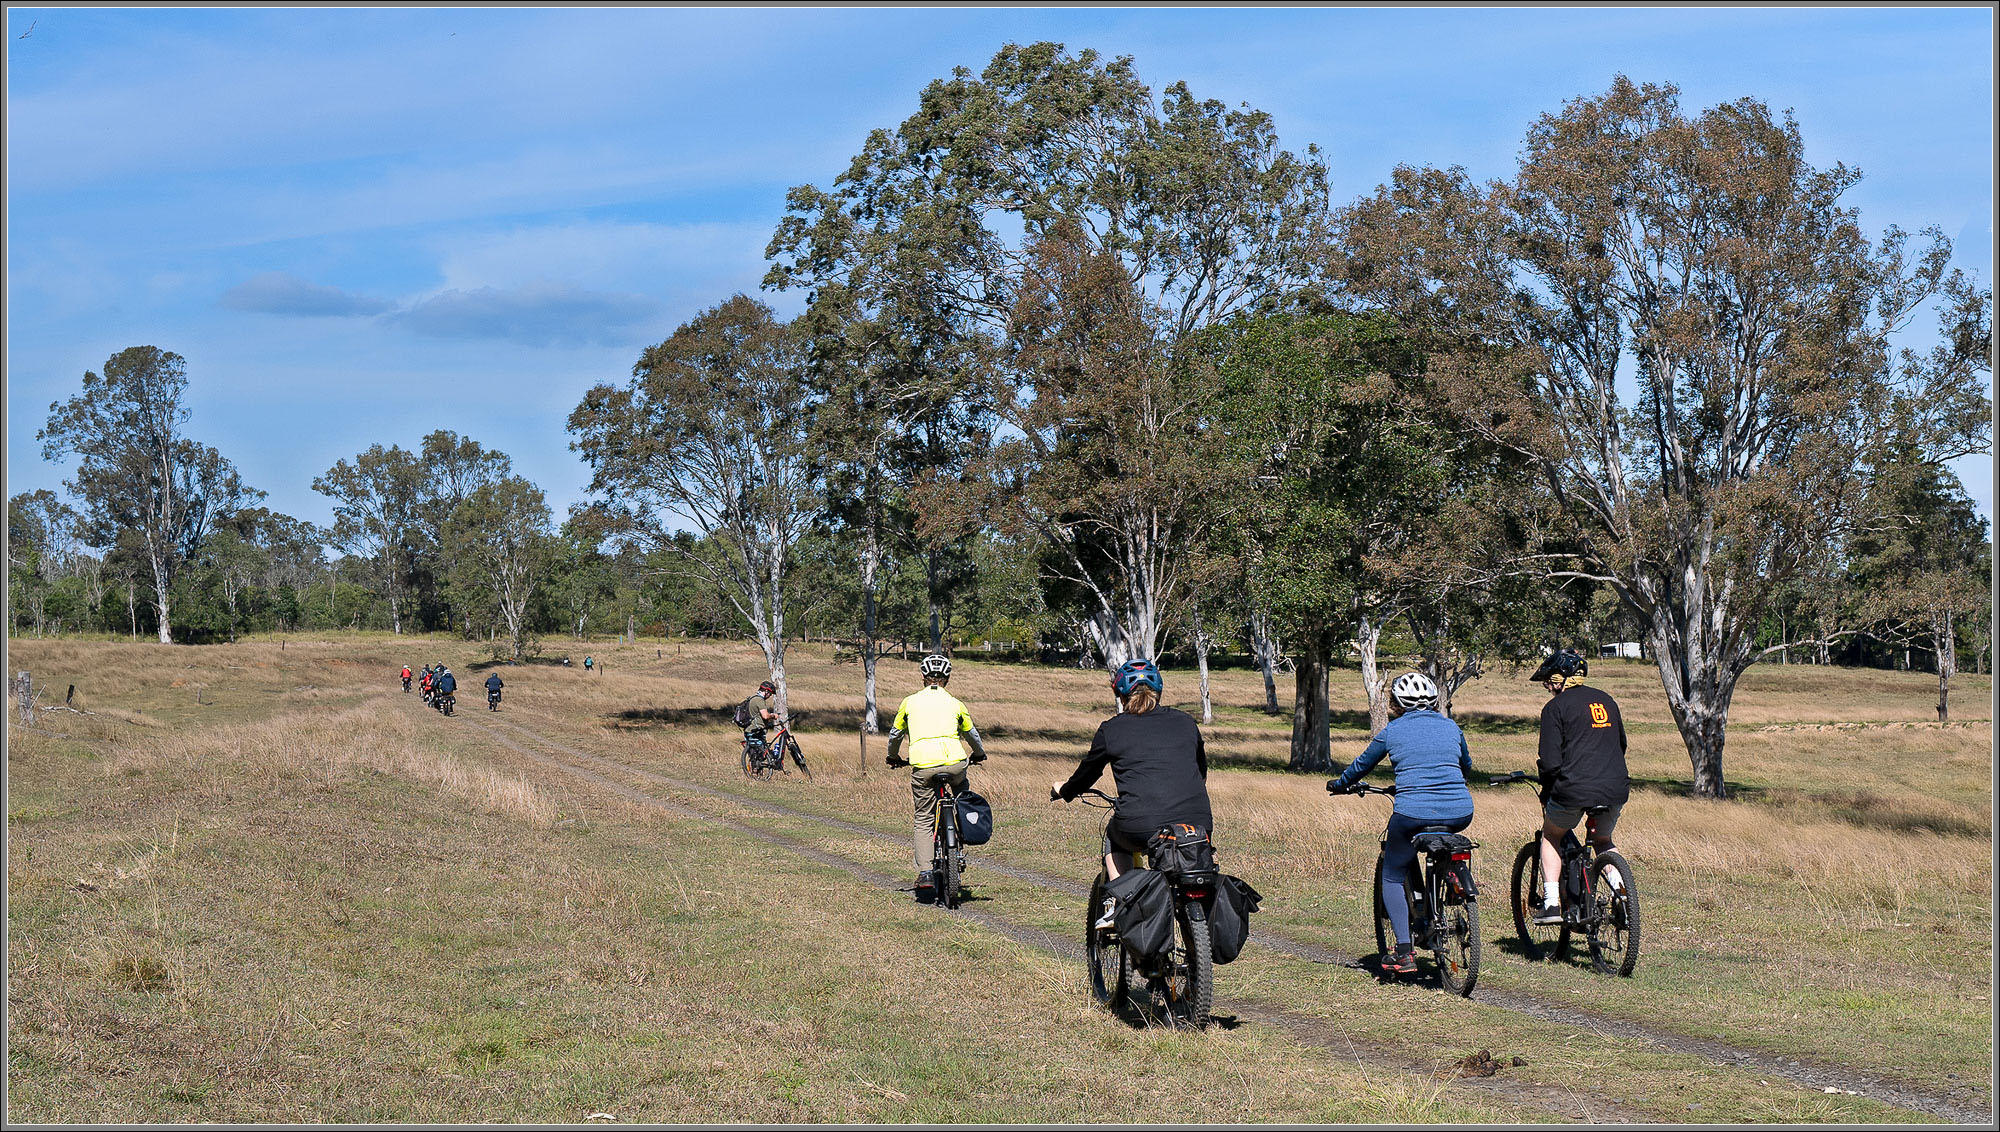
[{"x": 923, "y": 794}]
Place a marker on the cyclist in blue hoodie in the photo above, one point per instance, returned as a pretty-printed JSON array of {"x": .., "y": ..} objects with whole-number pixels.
[{"x": 1428, "y": 753}]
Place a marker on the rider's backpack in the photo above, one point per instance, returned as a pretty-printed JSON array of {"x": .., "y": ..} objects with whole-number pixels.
[
  {"x": 1183, "y": 851},
  {"x": 1229, "y": 917},
  {"x": 1145, "y": 912},
  {"x": 742, "y": 716},
  {"x": 975, "y": 818}
]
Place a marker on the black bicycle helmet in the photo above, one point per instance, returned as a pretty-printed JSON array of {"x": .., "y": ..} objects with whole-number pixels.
[
  {"x": 1563, "y": 663},
  {"x": 767, "y": 688}
]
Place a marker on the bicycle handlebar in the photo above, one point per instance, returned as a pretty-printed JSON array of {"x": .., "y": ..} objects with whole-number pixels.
[
  {"x": 1362, "y": 790},
  {"x": 1517, "y": 776},
  {"x": 1107, "y": 800}
]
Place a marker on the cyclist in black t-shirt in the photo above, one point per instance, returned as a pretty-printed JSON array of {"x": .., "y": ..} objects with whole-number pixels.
[{"x": 1581, "y": 763}]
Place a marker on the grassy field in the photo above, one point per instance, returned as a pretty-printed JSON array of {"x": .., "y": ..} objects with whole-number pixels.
[{"x": 259, "y": 883}]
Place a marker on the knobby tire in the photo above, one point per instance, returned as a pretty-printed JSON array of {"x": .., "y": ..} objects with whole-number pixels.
[
  {"x": 1540, "y": 943},
  {"x": 1614, "y": 936}
]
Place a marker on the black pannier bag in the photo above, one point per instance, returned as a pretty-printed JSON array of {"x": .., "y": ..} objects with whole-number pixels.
[
  {"x": 975, "y": 818},
  {"x": 1229, "y": 917},
  {"x": 1145, "y": 912},
  {"x": 1183, "y": 852}
]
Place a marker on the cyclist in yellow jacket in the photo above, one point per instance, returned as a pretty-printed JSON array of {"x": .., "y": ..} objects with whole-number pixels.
[{"x": 934, "y": 721}]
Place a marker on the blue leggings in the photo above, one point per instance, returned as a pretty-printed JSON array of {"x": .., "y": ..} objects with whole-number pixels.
[{"x": 1398, "y": 857}]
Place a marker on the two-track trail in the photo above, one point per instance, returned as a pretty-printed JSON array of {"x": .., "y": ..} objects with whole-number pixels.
[{"x": 698, "y": 802}]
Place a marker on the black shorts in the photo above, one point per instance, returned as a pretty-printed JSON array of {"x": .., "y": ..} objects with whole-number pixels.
[{"x": 1127, "y": 837}]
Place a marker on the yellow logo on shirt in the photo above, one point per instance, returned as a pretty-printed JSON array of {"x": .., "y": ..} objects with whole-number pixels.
[{"x": 1598, "y": 716}]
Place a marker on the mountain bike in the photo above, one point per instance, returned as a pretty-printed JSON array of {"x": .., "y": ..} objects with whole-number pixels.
[
  {"x": 1178, "y": 985},
  {"x": 427, "y": 695},
  {"x": 492, "y": 699},
  {"x": 406, "y": 684},
  {"x": 765, "y": 760},
  {"x": 1444, "y": 902},
  {"x": 446, "y": 701},
  {"x": 1597, "y": 893}
]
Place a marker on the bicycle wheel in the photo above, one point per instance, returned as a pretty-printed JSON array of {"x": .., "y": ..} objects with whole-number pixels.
[
  {"x": 1110, "y": 967},
  {"x": 799, "y": 759},
  {"x": 1185, "y": 990},
  {"x": 750, "y": 768},
  {"x": 1456, "y": 939},
  {"x": 1541, "y": 943},
  {"x": 944, "y": 863},
  {"x": 1613, "y": 936}
]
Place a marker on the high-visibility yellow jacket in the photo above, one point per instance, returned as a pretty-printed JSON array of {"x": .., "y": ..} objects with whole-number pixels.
[{"x": 934, "y": 719}]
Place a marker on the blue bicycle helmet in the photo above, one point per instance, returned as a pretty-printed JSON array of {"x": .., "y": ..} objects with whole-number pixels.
[{"x": 1133, "y": 673}]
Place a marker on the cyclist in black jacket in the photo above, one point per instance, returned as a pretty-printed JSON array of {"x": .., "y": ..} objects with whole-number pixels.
[
  {"x": 1581, "y": 762},
  {"x": 1156, "y": 757}
]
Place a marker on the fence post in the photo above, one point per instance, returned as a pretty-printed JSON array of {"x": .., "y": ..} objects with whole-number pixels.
[
  {"x": 25, "y": 688},
  {"x": 862, "y": 730}
]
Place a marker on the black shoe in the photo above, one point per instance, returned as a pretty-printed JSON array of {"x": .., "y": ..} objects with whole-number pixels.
[
  {"x": 1549, "y": 914},
  {"x": 926, "y": 888},
  {"x": 1403, "y": 961}
]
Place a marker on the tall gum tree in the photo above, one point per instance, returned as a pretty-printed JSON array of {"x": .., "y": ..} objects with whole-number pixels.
[
  {"x": 136, "y": 472},
  {"x": 712, "y": 436},
  {"x": 1196, "y": 203},
  {"x": 1675, "y": 322}
]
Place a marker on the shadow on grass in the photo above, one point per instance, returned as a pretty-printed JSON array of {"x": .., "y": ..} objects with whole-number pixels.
[
  {"x": 644, "y": 719},
  {"x": 504, "y": 662}
]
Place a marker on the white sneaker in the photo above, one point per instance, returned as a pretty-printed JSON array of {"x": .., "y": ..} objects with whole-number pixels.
[{"x": 1110, "y": 916}]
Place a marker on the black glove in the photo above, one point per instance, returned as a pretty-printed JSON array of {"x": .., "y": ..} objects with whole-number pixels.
[
  {"x": 1333, "y": 786},
  {"x": 897, "y": 760},
  {"x": 977, "y": 759}
]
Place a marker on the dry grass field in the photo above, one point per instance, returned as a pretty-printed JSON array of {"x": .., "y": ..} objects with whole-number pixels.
[{"x": 259, "y": 883}]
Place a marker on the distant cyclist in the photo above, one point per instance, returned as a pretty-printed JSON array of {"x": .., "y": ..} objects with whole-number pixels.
[
  {"x": 934, "y": 721},
  {"x": 1428, "y": 753},
  {"x": 446, "y": 685},
  {"x": 1581, "y": 763},
  {"x": 493, "y": 686},
  {"x": 406, "y": 678},
  {"x": 1158, "y": 761},
  {"x": 755, "y": 716},
  {"x": 424, "y": 683}
]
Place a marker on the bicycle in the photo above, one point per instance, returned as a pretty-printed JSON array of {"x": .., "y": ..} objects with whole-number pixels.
[
  {"x": 446, "y": 701},
  {"x": 1444, "y": 902},
  {"x": 406, "y": 685},
  {"x": 492, "y": 699},
  {"x": 1179, "y": 983},
  {"x": 1605, "y": 910},
  {"x": 766, "y": 760},
  {"x": 947, "y": 849}
]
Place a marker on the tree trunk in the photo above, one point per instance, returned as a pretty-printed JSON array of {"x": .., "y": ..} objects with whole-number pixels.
[
  {"x": 1311, "y": 714},
  {"x": 871, "y": 565},
  {"x": 935, "y": 643},
  {"x": 1266, "y": 649},
  {"x": 1201, "y": 662},
  {"x": 1699, "y": 689},
  {"x": 1369, "y": 638},
  {"x": 160, "y": 603},
  {"x": 1945, "y": 639}
]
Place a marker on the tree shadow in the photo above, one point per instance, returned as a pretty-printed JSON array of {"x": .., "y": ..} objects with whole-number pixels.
[
  {"x": 651, "y": 718},
  {"x": 508, "y": 662}
]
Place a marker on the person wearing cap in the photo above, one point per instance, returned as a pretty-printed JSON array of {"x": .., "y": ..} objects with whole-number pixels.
[
  {"x": 1581, "y": 764},
  {"x": 935, "y": 722}
]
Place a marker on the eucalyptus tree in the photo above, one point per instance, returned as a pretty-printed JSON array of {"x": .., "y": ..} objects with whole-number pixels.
[
  {"x": 501, "y": 540},
  {"x": 1194, "y": 203},
  {"x": 136, "y": 471},
  {"x": 713, "y": 436},
  {"x": 1335, "y": 457},
  {"x": 376, "y": 506},
  {"x": 1702, "y": 263}
]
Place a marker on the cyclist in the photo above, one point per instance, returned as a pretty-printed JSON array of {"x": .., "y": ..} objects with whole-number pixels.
[
  {"x": 424, "y": 683},
  {"x": 406, "y": 678},
  {"x": 757, "y": 714},
  {"x": 587, "y": 663},
  {"x": 1581, "y": 763},
  {"x": 493, "y": 686},
  {"x": 1158, "y": 761},
  {"x": 934, "y": 721},
  {"x": 1428, "y": 753},
  {"x": 446, "y": 684}
]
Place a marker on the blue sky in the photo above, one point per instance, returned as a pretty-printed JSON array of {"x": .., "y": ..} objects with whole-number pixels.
[{"x": 361, "y": 225}]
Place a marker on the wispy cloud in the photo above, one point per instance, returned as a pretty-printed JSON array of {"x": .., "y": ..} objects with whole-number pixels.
[
  {"x": 278, "y": 292},
  {"x": 540, "y": 314}
]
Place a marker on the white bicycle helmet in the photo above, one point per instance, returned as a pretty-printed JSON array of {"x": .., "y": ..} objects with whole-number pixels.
[
  {"x": 937, "y": 665},
  {"x": 1414, "y": 690}
]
